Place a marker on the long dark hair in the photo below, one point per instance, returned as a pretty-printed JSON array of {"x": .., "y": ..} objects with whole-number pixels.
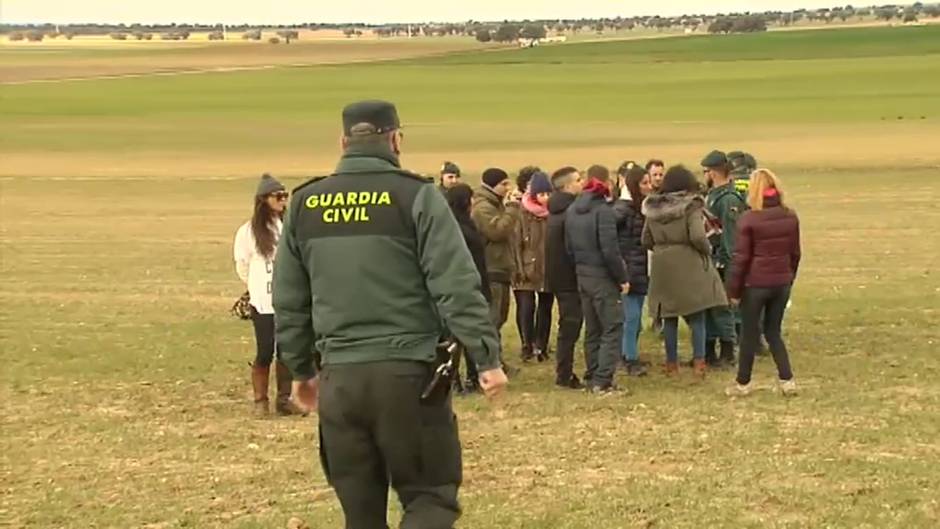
[
  {"x": 459, "y": 198},
  {"x": 262, "y": 227},
  {"x": 634, "y": 177}
]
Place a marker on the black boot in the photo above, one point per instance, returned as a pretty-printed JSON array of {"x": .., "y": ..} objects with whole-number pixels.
[
  {"x": 283, "y": 405},
  {"x": 527, "y": 353},
  {"x": 711, "y": 356},
  {"x": 727, "y": 354}
]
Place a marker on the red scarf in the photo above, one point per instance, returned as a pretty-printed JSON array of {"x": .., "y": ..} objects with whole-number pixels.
[
  {"x": 533, "y": 206},
  {"x": 597, "y": 187}
]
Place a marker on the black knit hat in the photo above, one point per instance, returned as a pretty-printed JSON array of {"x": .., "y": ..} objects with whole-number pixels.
[
  {"x": 268, "y": 185},
  {"x": 493, "y": 176}
]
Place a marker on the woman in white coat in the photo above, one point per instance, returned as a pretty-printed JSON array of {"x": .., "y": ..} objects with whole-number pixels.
[{"x": 255, "y": 246}]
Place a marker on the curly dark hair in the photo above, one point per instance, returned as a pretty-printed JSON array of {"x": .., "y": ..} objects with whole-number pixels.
[{"x": 525, "y": 176}]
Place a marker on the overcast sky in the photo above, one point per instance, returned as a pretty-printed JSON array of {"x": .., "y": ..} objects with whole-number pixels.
[{"x": 369, "y": 11}]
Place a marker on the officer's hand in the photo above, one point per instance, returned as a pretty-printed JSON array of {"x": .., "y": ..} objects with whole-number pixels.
[
  {"x": 493, "y": 382},
  {"x": 625, "y": 288},
  {"x": 735, "y": 302},
  {"x": 305, "y": 394}
]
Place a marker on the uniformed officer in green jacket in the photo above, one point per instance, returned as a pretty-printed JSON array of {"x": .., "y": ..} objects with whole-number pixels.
[
  {"x": 742, "y": 165},
  {"x": 725, "y": 204},
  {"x": 371, "y": 270}
]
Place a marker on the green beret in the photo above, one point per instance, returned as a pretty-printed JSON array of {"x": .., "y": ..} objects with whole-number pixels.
[
  {"x": 715, "y": 159},
  {"x": 742, "y": 163},
  {"x": 381, "y": 114}
]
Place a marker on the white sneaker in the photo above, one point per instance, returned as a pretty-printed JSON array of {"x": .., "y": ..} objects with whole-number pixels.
[
  {"x": 739, "y": 390},
  {"x": 788, "y": 388}
]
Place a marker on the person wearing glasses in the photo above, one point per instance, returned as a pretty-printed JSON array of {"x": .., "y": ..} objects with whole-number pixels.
[{"x": 255, "y": 245}]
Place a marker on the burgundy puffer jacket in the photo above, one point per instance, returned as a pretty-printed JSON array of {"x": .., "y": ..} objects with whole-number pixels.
[{"x": 767, "y": 249}]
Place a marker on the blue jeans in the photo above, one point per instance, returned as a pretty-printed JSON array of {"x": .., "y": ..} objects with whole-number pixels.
[
  {"x": 632, "y": 316},
  {"x": 696, "y": 323}
]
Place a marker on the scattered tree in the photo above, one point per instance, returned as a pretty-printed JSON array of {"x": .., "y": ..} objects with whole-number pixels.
[
  {"x": 507, "y": 33},
  {"x": 35, "y": 36},
  {"x": 17, "y": 36},
  {"x": 749, "y": 24},
  {"x": 910, "y": 16},
  {"x": 254, "y": 34},
  {"x": 289, "y": 35},
  {"x": 721, "y": 25},
  {"x": 886, "y": 13},
  {"x": 932, "y": 11},
  {"x": 216, "y": 35},
  {"x": 484, "y": 35},
  {"x": 533, "y": 31}
]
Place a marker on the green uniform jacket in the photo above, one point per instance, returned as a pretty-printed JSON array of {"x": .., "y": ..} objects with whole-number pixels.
[
  {"x": 372, "y": 266},
  {"x": 497, "y": 224},
  {"x": 726, "y": 204}
]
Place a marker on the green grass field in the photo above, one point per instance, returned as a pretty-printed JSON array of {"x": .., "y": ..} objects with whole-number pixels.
[{"x": 125, "y": 384}]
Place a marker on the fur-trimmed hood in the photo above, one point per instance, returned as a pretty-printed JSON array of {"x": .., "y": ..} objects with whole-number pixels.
[{"x": 664, "y": 207}]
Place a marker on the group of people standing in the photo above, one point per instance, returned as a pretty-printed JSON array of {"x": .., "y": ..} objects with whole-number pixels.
[
  {"x": 373, "y": 268},
  {"x": 720, "y": 255}
]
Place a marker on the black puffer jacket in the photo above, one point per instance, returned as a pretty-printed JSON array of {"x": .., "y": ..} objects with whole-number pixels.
[
  {"x": 630, "y": 222},
  {"x": 559, "y": 267},
  {"x": 591, "y": 235}
]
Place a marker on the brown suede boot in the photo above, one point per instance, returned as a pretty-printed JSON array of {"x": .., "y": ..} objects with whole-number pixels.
[
  {"x": 259, "y": 383},
  {"x": 698, "y": 368},
  {"x": 672, "y": 369},
  {"x": 283, "y": 405}
]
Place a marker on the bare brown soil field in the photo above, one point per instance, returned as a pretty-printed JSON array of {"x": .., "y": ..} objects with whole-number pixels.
[
  {"x": 60, "y": 60},
  {"x": 294, "y": 152}
]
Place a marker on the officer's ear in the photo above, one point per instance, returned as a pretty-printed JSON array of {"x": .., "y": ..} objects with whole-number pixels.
[
  {"x": 344, "y": 142},
  {"x": 396, "y": 138}
]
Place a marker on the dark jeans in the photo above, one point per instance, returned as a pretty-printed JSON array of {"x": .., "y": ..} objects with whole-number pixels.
[
  {"x": 499, "y": 307},
  {"x": 264, "y": 338},
  {"x": 696, "y": 323},
  {"x": 773, "y": 303},
  {"x": 721, "y": 321},
  {"x": 570, "y": 320},
  {"x": 535, "y": 324},
  {"x": 603, "y": 328},
  {"x": 375, "y": 431}
]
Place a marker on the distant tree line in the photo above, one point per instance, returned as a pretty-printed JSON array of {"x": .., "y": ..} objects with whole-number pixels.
[{"x": 507, "y": 31}]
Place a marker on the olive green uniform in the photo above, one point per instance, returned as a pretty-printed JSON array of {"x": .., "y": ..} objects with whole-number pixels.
[
  {"x": 726, "y": 204},
  {"x": 371, "y": 270}
]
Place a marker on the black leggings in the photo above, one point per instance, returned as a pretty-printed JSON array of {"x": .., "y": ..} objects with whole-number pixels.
[
  {"x": 535, "y": 326},
  {"x": 264, "y": 338},
  {"x": 772, "y": 302}
]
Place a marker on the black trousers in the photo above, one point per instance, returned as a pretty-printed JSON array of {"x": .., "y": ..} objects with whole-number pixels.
[
  {"x": 375, "y": 432},
  {"x": 772, "y": 302},
  {"x": 570, "y": 321},
  {"x": 534, "y": 320},
  {"x": 602, "y": 303},
  {"x": 264, "y": 338}
]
